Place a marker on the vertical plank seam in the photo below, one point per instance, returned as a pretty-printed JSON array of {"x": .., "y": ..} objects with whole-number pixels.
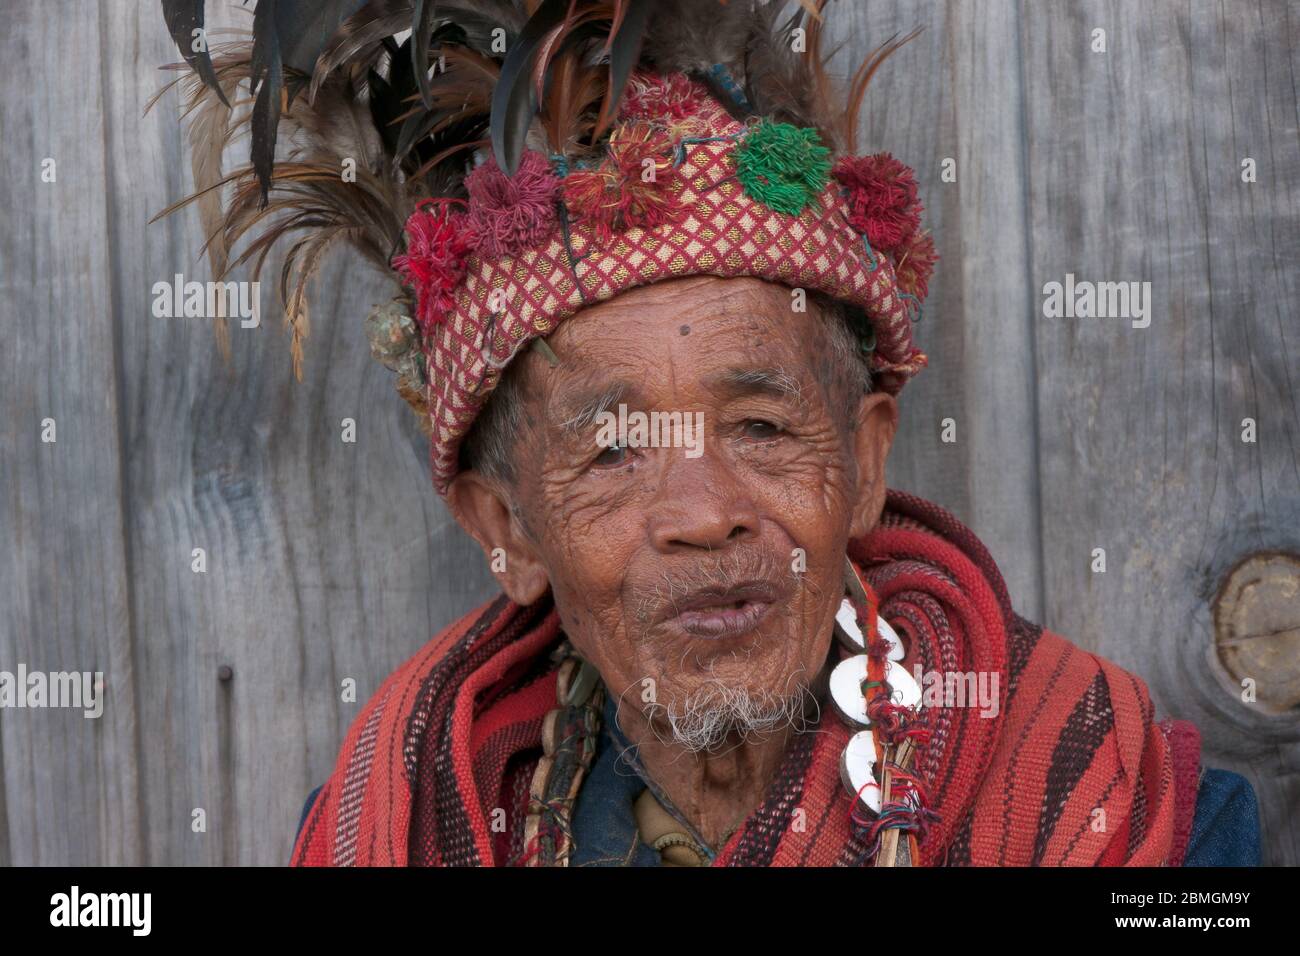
[
  {"x": 119, "y": 396},
  {"x": 1031, "y": 326}
]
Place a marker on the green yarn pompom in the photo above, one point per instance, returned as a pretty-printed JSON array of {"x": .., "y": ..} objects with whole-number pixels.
[{"x": 782, "y": 166}]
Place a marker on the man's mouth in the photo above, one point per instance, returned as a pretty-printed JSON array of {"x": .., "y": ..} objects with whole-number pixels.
[{"x": 715, "y": 613}]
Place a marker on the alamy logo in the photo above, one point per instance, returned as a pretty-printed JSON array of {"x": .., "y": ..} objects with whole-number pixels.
[
  {"x": 959, "y": 689},
  {"x": 102, "y": 909},
  {"x": 1098, "y": 300},
  {"x": 651, "y": 430},
  {"x": 75, "y": 689},
  {"x": 208, "y": 300}
]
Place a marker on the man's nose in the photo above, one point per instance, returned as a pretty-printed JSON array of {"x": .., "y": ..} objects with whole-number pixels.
[{"x": 701, "y": 505}]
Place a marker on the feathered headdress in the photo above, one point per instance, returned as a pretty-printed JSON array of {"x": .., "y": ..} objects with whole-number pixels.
[{"x": 513, "y": 162}]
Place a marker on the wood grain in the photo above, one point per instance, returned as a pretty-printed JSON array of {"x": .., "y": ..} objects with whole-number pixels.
[
  {"x": 1135, "y": 174},
  {"x": 71, "y": 790},
  {"x": 955, "y": 93},
  {"x": 329, "y": 560}
]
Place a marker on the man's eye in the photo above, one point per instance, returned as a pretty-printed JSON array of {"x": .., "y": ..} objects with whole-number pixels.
[
  {"x": 760, "y": 430},
  {"x": 611, "y": 457}
]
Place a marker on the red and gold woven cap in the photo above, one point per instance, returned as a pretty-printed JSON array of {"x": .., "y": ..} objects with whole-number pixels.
[{"x": 684, "y": 189}]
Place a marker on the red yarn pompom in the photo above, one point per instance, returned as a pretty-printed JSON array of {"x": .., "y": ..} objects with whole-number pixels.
[
  {"x": 632, "y": 187},
  {"x": 661, "y": 97},
  {"x": 882, "y": 199},
  {"x": 512, "y": 213},
  {"x": 914, "y": 264},
  {"x": 438, "y": 240}
]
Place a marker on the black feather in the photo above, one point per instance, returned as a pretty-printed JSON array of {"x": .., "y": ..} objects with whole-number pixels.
[
  {"x": 183, "y": 18},
  {"x": 292, "y": 34},
  {"x": 360, "y": 42},
  {"x": 385, "y": 108},
  {"x": 421, "y": 28},
  {"x": 266, "y": 78},
  {"x": 303, "y": 27},
  {"x": 514, "y": 101}
]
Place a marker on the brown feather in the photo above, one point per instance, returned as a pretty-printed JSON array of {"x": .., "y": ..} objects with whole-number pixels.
[
  {"x": 863, "y": 75},
  {"x": 569, "y": 109},
  {"x": 209, "y": 134}
]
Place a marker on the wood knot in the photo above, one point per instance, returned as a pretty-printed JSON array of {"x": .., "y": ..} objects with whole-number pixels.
[{"x": 1257, "y": 627}]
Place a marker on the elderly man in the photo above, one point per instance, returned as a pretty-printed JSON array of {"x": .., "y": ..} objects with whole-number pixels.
[
  {"x": 700, "y": 596},
  {"x": 658, "y": 336}
]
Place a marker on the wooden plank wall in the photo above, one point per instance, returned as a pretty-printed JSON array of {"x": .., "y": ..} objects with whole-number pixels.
[
  {"x": 329, "y": 561},
  {"x": 1135, "y": 172}
]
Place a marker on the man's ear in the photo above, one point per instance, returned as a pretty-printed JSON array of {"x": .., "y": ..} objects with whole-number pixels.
[
  {"x": 877, "y": 420},
  {"x": 483, "y": 509}
]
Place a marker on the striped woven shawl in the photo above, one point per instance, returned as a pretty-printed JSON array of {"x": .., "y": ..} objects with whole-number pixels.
[{"x": 1073, "y": 769}]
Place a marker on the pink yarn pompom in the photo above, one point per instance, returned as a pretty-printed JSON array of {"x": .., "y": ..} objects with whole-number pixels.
[
  {"x": 438, "y": 241},
  {"x": 512, "y": 213}
]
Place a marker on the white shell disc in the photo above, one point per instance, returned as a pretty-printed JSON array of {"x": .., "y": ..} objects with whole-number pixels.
[
  {"x": 846, "y": 690},
  {"x": 857, "y": 769},
  {"x": 902, "y": 685},
  {"x": 846, "y": 622}
]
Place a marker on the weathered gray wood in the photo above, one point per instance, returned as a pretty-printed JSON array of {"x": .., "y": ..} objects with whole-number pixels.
[
  {"x": 326, "y": 560},
  {"x": 71, "y": 792},
  {"x": 329, "y": 560},
  {"x": 955, "y": 93},
  {"x": 1135, "y": 174}
]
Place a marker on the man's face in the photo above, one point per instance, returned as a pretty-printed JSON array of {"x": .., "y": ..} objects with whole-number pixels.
[{"x": 690, "y": 576}]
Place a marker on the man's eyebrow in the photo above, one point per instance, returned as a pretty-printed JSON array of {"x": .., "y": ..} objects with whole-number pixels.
[
  {"x": 578, "y": 412},
  {"x": 773, "y": 380}
]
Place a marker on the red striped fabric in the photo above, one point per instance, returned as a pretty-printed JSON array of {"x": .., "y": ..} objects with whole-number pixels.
[{"x": 1073, "y": 770}]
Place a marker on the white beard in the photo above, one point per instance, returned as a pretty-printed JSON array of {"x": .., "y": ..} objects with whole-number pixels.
[{"x": 716, "y": 712}]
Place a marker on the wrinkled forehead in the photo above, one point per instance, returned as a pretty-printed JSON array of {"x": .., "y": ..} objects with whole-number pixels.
[{"x": 692, "y": 339}]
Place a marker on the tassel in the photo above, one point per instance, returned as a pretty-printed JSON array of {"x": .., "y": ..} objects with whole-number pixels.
[
  {"x": 655, "y": 98},
  {"x": 915, "y": 264},
  {"x": 438, "y": 241},
  {"x": 882, "y": 197},
  {"x": 511, "y": 213},
  {"x": 782, "y": 166},
  {"x": 618, "y": 194}
]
